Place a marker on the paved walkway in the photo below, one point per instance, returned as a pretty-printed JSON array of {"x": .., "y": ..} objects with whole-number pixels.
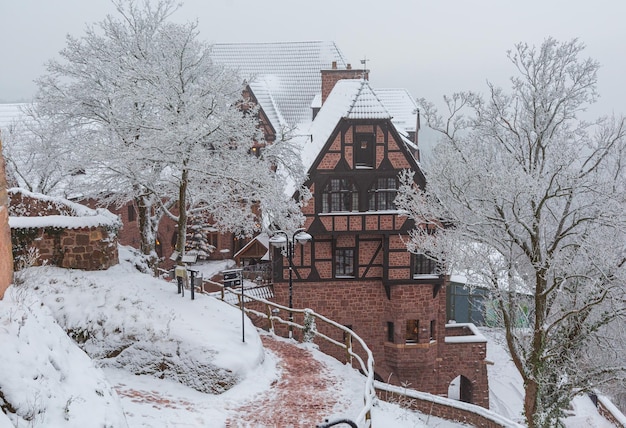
[{"x": 301, "y": 397}]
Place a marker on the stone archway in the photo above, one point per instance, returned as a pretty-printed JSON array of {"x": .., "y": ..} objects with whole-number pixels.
[{"x": 460, "y": 388}]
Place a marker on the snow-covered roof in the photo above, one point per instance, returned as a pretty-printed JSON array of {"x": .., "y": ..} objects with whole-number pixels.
[
  {"x": 288, "y": 71},
  {"x": 263, "y": 93},
  {"x": 367, "y": 105},
  {"x": 350, "y": 99},
  {"x": 402, "y": 107},
  {"x": 353, "y": 99},
  {"x": 262, "y": 238}
]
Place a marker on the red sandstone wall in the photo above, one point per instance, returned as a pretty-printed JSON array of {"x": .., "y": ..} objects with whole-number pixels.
[
  {"x": 6, "y": 258},
  {"x": 443, "y": 411},
  {"x": 89, "y": 248},
  {"x": 84, "y": 248},
  {"x": 428, "y": 365}
]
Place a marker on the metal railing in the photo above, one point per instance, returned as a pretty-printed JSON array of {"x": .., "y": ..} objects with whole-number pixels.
[{"x": 364, "y": 418}]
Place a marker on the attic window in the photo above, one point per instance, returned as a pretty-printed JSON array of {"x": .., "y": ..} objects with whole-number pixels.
[{"x": 364, "y": 150}]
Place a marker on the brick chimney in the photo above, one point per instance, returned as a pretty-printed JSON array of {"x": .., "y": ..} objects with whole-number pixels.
[
  {"x": 332, "y": 76},
  {"x": 6, "y": 254}
]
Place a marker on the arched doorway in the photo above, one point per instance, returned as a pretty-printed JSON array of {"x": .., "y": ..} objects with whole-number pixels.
[{"x": 460, "y": 389}]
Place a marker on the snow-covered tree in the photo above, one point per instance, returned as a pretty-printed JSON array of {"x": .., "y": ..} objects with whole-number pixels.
[
  {"x": 529, "y": 200},
  {"x": 204, "y": 131},
  {"x": 163, "y": 125},
  {"x": 198, "y": 234},
  {"x": 91, "y": 90},
  {"x": 37, "y": 154}
]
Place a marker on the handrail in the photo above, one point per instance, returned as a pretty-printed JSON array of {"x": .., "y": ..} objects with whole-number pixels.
[{"x": 365, "y": 415}]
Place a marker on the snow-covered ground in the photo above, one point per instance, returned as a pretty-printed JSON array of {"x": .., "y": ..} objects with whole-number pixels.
[
  {"x": 506, "y": 392},
  {"x": 158, "y": 360}
]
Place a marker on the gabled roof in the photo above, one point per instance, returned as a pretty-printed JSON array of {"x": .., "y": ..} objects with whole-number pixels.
[
  {"x": 287, "y": 72},
  {"x": 349, "y": 99},
  {"x": 402, "y": 107},
  {"x": 261, "y": 238},
  {"x": 366, "y": 104},
  {"x": 263, "y": 93}
]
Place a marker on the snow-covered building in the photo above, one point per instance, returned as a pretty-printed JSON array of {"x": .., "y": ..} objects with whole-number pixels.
[{"x": 355, "y": 140}]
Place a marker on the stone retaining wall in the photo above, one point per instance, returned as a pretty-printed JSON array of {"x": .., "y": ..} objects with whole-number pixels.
[
  {"x": 60, "y": 233},
  {"x": 440, "y": 407}
]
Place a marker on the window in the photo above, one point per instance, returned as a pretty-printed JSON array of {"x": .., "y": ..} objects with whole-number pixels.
[
  {"x": 340, "y": 194},
  {"x": 158, "y": 247},
  {"x": 390, "y": 332},
  {"x": 256, "y": 151},
  {"x": 132, "y": 215},
  {"x": 424, "y": 265},
  {"x": 344, "y": 262},
  {"x": 412, "y": 331},
  {"x": 364, "y": 150},
  {"x": 212, "y": 239},
  {"x": 382, "y": 193},
  {"x": 432, "y": 330}
]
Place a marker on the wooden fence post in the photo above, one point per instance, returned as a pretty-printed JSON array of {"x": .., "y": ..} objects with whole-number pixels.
[
  {"x": 270, "y": 318},
  {"x": 348, "y": 348}
]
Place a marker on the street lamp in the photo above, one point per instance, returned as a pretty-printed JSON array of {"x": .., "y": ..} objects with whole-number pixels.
[{"x": 280, "y": 239}]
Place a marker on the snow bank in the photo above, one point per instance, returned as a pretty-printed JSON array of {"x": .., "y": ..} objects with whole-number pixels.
[
  {"x": 119, "y": 318},
  {"x": 45, "y": 379}
]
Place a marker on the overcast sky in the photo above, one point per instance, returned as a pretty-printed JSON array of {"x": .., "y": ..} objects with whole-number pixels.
[{"x": 432, "y": 48}]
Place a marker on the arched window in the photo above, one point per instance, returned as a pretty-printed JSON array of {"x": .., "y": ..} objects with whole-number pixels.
[
  {"x": 340, "y": 194},
  {"x": 382, "y": 194}
]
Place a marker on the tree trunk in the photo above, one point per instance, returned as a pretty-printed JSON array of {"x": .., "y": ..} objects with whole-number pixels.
[
  {"x": 530, "y": 402},
  {"x": 182, "y": 213},
  {"x": 147, "y": 231}
]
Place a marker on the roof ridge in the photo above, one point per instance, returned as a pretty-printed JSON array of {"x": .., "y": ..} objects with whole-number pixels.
[
  {"x": 284, "y": 42},
  {"x": 365, "y": 83},
  {"x": 356, "y": 97}
]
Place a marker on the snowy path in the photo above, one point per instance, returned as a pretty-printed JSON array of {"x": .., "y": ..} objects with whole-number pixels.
[{"x": 303, "y": 396}]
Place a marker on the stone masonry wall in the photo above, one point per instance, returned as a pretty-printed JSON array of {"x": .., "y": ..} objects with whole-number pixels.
[
  {"x": 6, "y": 258},
  {"x": 466, "y": 416},
  {"x": 86, "y": 247}
]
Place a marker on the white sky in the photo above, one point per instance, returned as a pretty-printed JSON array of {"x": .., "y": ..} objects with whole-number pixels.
[{"x": 431, "y": 47}]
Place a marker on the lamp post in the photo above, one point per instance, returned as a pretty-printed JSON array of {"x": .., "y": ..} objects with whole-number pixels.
[{"x": 281, "y": 239}]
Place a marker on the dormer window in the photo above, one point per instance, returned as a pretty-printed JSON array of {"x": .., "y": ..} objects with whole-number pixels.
[
  {"x": 383, "y": 193},
  {"x": 339, "y": 195},
  {"x": 364, "y": 151}
]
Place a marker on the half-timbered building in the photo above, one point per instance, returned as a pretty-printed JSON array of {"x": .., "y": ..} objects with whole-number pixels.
[{"x": 355, "y": 140}]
